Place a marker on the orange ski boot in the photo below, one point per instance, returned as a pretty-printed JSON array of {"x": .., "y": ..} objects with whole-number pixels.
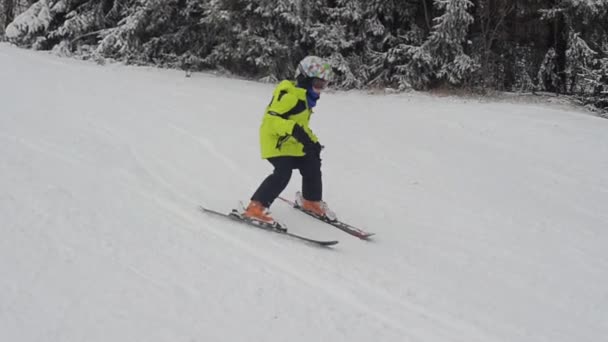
[
  {"x": 256, "y": 211},
  {"x": 317, "y": 208}
]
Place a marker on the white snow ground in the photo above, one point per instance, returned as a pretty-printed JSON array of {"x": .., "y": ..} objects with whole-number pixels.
[{"x": 491, "y": 218}]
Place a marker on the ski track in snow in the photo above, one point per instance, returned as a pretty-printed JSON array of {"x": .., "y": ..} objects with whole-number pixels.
[{"x": 489, "y": 217}]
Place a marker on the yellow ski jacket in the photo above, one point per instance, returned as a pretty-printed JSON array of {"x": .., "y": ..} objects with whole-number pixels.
[{"x": 287, "y": 108}]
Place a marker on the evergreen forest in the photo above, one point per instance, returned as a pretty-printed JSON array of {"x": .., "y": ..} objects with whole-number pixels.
[{"x": 557, "y": 46}]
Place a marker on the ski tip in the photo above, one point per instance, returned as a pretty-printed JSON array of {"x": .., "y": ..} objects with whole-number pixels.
[
  {"x": 367, "y": 236},
  {"x": 329, "y": 243}
]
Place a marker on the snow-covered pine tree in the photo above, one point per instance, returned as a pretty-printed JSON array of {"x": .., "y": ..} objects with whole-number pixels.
[
  {"x": 121, "y": 40},
  {"x": 590, "y": 83},
  {"x": 217, "y": 23},
  {"x": 389, "y": 37},
  {"x": 171, "y": 33},
  {"x": 445, "y": 45},
  {"x": 579, "y": 59},
  {"x": 522, "y": 71},
  {"x": 82, "y": 24},
  {"x": 33, "y": 22},
  {"x": 332, "y": 31},
  {"x": 255, "y": 37},
  {"x": 369, "y": 42},
  {"x": 3, "y": 18},
  {"x": 548, "y": 78},
  {"x": 582, "y": 54},
  {"x": 47, "y": 23},
  {"x": 11, "y": 8},
  {"x": 599, "y": 81},
  {"x": 490, "y": 44},
  {"x": 138, "y": 36}
]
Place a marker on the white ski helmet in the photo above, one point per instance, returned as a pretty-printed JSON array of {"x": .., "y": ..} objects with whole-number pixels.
[{"x": 314, "y": 67}]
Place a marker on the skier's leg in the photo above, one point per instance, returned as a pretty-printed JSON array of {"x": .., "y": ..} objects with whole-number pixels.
[
  {"x": 312, "y": 183},
  {"x": 275, "y": 183},
  {"x": 311, "y": 199}
]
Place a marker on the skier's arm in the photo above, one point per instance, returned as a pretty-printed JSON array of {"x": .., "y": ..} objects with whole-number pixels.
[
  {"x": 280, "y": 126},
  {"x": 279, "y": 110},
  {"x": 310, "y": 147},
  {"x": 313, "y": 137},
  {"x": 302, "y": 136}
]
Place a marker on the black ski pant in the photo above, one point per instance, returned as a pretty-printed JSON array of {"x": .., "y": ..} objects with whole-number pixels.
[{"x": 273, "y": 185}]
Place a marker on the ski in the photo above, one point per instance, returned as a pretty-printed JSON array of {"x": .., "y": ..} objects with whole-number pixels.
[
  {"x": 277, "y": 228},
  {"x": 345, "y": 227}
]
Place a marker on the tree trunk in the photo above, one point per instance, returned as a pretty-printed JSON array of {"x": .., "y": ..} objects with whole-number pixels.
[
  {"x": 9, "y": 11},
  {"x": 427, "y": 19},
  {"x": 560, "y": 43}
]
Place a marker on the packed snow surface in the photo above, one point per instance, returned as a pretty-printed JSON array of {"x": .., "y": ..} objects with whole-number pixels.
[{"x": 490, "y": 217}]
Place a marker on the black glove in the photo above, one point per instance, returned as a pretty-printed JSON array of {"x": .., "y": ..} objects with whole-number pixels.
[
  {"x": 310, "y": 148},
  {"x": 314, "y": 150}
]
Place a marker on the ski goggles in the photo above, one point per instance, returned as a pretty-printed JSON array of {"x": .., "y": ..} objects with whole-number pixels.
[{"x": 318, "y": 83}]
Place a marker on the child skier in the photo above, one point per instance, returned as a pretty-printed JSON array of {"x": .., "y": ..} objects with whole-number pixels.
[{"x": 288, "y": 143}]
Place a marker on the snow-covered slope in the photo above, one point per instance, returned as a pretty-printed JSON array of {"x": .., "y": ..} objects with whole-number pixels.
[{"x": 491, "y": 218}]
